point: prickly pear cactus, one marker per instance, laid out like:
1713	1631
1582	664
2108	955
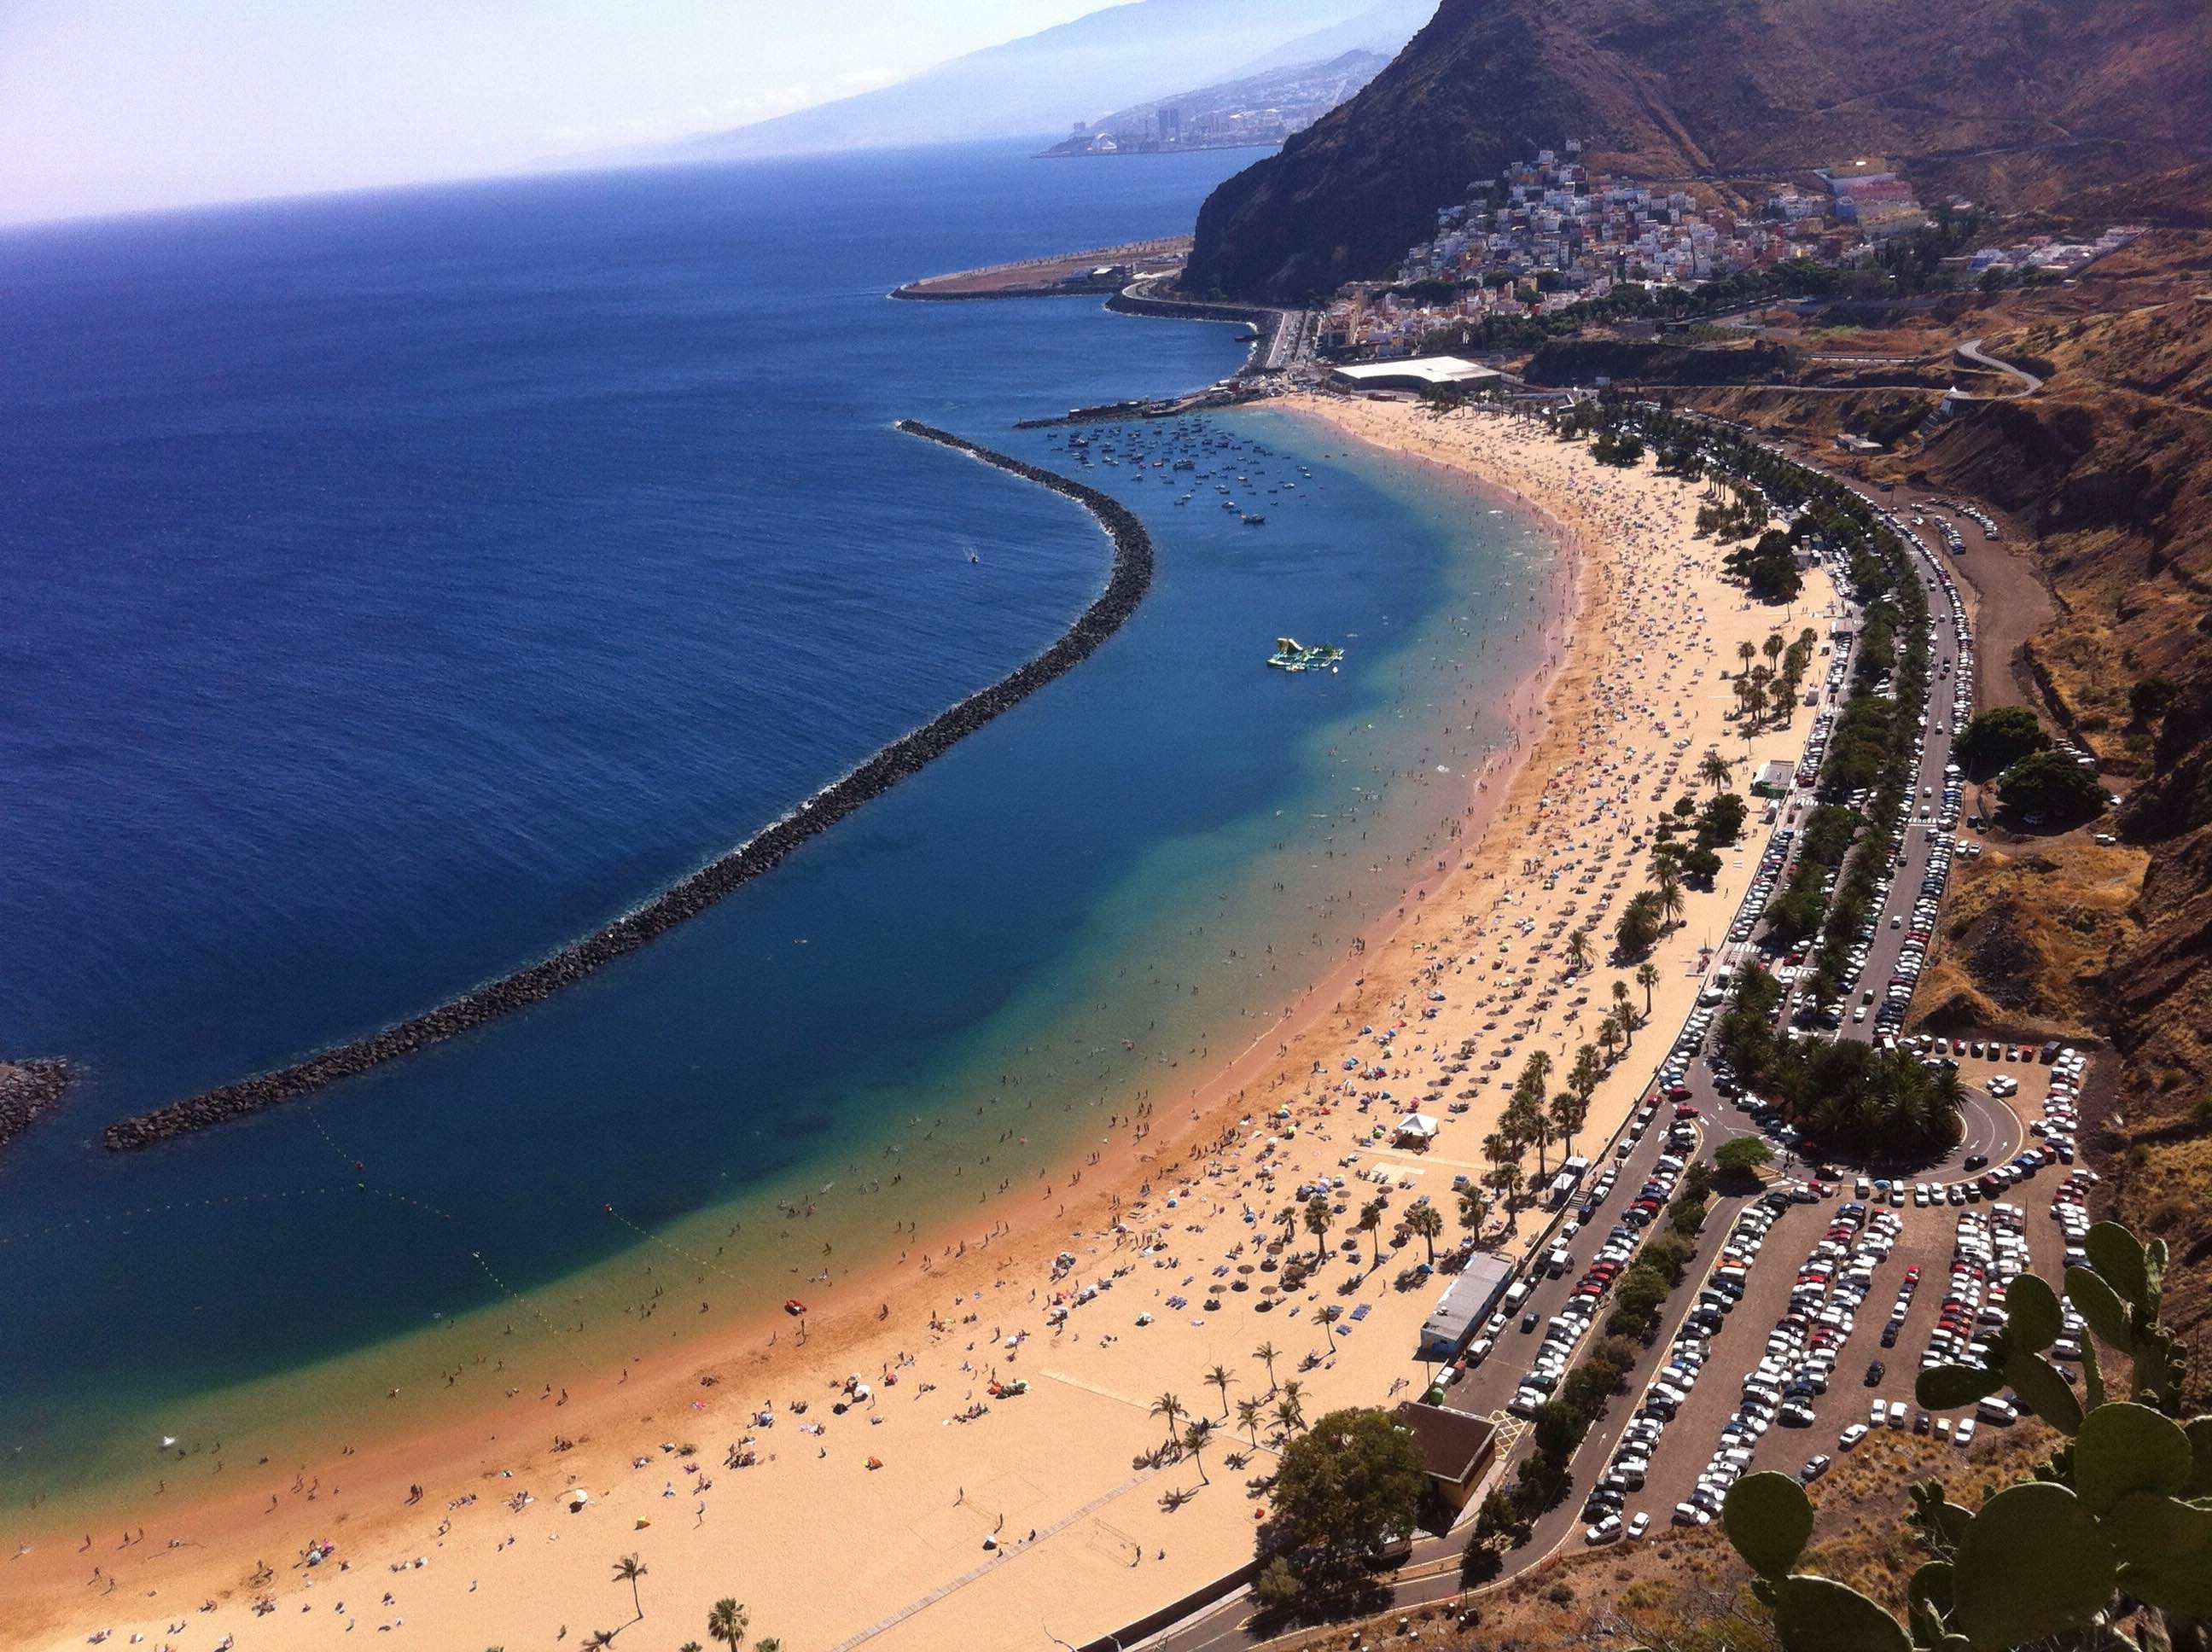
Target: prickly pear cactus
2119	1518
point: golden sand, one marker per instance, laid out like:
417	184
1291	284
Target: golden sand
1083	1533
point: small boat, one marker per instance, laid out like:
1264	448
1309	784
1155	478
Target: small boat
1292	655
1252	521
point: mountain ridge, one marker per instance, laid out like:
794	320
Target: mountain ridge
1690	88
1041	82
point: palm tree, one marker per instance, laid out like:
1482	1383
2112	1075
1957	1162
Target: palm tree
1473	1207
768	1644
1609	1034
690	1646
1221	1377
1249	1412
1427	1221
1746	653
1569	1109
1289	1414
1671	901
1319	1220
629	1570
1585	1075
1508	1179
1193	1441
1287	1219
1715	770
726	1623
1540	1137
1370	1223
1773	647
1578	952
1329	1316
1647	977
1168	1407
1267	1353
1535	1073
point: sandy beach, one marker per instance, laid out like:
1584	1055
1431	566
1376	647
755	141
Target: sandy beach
874	1480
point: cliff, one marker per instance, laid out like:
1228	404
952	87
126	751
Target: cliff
2012	100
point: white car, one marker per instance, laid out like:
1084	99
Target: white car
1963	1435
1641	1524
1606	1531
1851	1435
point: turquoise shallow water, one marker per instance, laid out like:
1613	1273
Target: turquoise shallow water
411	582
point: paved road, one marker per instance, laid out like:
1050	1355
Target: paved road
1431	1572
1971	351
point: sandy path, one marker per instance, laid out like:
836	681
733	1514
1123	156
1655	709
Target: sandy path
822	1547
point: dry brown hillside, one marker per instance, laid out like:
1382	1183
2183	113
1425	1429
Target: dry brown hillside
2008	102
2111	467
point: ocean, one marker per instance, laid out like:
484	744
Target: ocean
405	584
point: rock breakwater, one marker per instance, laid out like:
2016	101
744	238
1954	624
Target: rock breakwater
26	1090
1130	577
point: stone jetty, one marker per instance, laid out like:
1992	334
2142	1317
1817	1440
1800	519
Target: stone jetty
26	1090
1131	576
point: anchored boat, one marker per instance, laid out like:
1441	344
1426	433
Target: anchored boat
1292	655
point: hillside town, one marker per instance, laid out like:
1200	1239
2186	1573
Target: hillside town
1551	232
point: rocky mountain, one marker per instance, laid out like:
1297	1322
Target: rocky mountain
2014	99
1046	81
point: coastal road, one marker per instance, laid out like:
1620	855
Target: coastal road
1432	1571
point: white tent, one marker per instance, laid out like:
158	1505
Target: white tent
1415	1129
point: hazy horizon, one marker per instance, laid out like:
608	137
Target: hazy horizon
107	106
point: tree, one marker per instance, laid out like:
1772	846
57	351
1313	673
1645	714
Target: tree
1291	1409
1345	1490
1637	931
629	1570
2152	698
1998	739
2052	784
726	1623
1715	770
1473	1207
1620	1009
1221	1377
1647	977
1370	1223
1579	950
1167	1405
1319	1220
1278	1587
1745	1156
1569	1109
1428	1221
1668	888
1249	1412
1267	1353
1194	1439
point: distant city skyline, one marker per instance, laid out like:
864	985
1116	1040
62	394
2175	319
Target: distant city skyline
117	105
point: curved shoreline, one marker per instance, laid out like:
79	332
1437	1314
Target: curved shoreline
1130	577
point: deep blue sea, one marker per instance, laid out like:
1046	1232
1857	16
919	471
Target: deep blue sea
402	585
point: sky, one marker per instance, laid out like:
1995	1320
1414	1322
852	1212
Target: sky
110	106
